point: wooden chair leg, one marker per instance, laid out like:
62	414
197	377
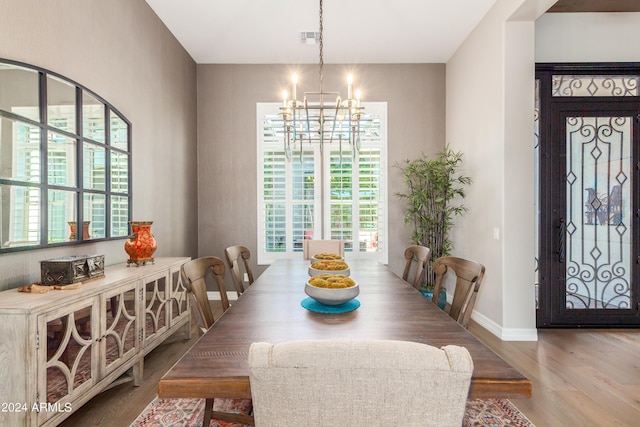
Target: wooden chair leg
210	414
208	410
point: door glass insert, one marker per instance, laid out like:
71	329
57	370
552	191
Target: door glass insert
568	85
598	225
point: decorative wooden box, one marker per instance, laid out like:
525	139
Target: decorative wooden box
71	269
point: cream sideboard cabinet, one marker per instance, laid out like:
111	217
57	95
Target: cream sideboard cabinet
61	348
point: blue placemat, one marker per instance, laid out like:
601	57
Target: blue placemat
313	305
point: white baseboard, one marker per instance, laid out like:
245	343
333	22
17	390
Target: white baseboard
215	296
505	334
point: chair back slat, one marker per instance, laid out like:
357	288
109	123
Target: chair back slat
193	274
418	256
233	255
468	275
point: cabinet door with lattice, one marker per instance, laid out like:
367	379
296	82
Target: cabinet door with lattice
155	298
179	297
121	338
67	352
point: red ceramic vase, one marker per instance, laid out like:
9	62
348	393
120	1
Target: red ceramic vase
141	244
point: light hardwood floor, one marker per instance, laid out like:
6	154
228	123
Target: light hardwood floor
581	377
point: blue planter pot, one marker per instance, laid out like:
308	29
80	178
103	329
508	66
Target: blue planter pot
442	299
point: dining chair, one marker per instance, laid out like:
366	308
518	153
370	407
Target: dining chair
468	278
194	274
312	247
330	382
418	255
233	254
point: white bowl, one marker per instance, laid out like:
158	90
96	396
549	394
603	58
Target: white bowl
314	259
332	296
317	271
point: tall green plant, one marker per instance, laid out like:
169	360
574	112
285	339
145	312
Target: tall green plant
435	187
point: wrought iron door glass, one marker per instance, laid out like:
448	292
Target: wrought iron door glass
598	226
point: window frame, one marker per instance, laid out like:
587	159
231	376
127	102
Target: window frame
322	189
109	142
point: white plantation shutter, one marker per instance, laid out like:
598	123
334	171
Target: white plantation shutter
321	194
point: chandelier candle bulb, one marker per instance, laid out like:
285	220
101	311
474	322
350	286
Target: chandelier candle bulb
284	98
294	80
349	85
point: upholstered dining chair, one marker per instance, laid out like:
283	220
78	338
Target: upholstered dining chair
234	254
312	247
418	255
468	278
194	278
359	382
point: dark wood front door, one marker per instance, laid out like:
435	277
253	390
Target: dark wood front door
589	198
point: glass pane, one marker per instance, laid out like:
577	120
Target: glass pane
119	172
94	167
370	212
19	91
95	211
19	216
341	204
598	251
564	85
61	160
119	216
92	117
302	223
178	295
275	217
119	132
61	104
156	310
69	341
62	210
120	320
19	151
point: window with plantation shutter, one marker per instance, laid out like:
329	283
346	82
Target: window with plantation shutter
326	192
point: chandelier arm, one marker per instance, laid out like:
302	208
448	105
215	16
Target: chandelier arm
306	110
335	121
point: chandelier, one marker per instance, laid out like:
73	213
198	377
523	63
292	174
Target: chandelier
318	118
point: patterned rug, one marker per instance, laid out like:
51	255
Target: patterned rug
188	413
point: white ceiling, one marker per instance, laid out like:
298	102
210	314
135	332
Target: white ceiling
355	31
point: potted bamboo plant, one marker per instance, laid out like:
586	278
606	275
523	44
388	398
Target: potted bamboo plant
435	189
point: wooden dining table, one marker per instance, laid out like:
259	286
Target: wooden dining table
270	310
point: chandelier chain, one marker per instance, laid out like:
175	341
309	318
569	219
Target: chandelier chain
321	54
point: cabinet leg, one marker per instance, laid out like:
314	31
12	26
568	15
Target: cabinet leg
187	331
138	372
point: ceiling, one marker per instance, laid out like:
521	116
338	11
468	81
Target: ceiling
355	31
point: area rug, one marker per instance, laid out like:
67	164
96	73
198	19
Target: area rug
188	413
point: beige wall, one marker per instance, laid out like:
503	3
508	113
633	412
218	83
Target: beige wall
227	96
588	37
490	117
123	52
